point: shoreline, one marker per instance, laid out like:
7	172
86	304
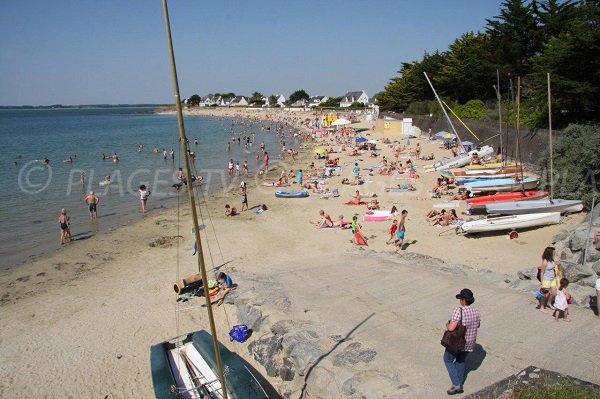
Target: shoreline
92	311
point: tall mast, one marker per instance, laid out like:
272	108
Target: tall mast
517	121
444	110
499	97
550	136
188	174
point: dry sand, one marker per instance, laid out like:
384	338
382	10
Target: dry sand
80	322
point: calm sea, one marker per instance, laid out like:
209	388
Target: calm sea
32	193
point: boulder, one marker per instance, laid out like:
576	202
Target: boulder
560	236
575	272
321	384
592	254
578	239
302	347
528	274
352	355
249	315
596	266
587	282
267	351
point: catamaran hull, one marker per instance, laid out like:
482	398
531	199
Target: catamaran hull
481	202
535	206
510	223
502	186
186	368
461	160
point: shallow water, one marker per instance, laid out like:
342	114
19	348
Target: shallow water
33	193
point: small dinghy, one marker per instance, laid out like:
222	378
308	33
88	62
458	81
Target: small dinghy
481	202
535	206
293	194
509	223
489	185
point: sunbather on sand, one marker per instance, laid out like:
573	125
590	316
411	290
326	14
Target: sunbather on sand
230	210
465	194
341	223
356	198
311	185
374	204
437	218
325	220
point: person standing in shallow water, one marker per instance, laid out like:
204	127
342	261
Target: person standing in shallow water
470	317
144	194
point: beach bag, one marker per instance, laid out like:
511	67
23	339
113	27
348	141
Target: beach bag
454	341
239	333
539	295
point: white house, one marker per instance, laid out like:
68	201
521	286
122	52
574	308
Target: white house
354	97
281	100
239	101
316	100
208	101
300	103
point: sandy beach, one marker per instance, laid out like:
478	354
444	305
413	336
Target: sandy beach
80	322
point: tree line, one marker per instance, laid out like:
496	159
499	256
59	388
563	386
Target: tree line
528	39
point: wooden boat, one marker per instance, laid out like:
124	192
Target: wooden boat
491	165
481	202
459	161
292	194
502	185
535	206
185	368
510	222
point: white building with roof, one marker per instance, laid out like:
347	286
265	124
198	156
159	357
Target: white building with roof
354	97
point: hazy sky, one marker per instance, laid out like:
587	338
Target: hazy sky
114	51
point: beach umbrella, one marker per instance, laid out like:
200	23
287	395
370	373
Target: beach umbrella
360	140
341	122
446	135
320	150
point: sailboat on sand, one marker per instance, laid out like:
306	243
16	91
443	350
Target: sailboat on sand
550	204
197	365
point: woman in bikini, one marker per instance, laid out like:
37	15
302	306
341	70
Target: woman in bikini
65	226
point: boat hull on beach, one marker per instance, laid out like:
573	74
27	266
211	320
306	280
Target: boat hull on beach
461	160
185	368
502	185
535	206
510	222
481	202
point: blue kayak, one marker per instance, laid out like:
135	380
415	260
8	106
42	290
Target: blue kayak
295	194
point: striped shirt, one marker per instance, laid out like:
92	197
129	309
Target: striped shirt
470	319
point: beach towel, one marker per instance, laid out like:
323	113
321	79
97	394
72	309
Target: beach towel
360	240
354	203
401	188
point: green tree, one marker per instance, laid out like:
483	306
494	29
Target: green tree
576	163
572	60
411	85
553	17
473	110
298	95
273	101
331	102
467	71
194	100
256	99
514	38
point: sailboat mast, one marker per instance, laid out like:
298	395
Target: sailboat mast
518	122
550	137
443	110
188	174
499	97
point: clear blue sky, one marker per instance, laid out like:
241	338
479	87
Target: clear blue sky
114	51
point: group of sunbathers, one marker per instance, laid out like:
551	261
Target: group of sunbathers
325	221
442	218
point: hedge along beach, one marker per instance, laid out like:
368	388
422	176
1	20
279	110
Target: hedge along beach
34	192
94	336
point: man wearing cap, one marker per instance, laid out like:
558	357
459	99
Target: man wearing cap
470	318
92	202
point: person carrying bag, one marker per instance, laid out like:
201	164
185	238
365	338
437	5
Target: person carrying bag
459	339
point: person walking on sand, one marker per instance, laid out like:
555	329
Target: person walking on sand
356	171
144	194
401	230
65	226
469	317
244	199
92	201
548	277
